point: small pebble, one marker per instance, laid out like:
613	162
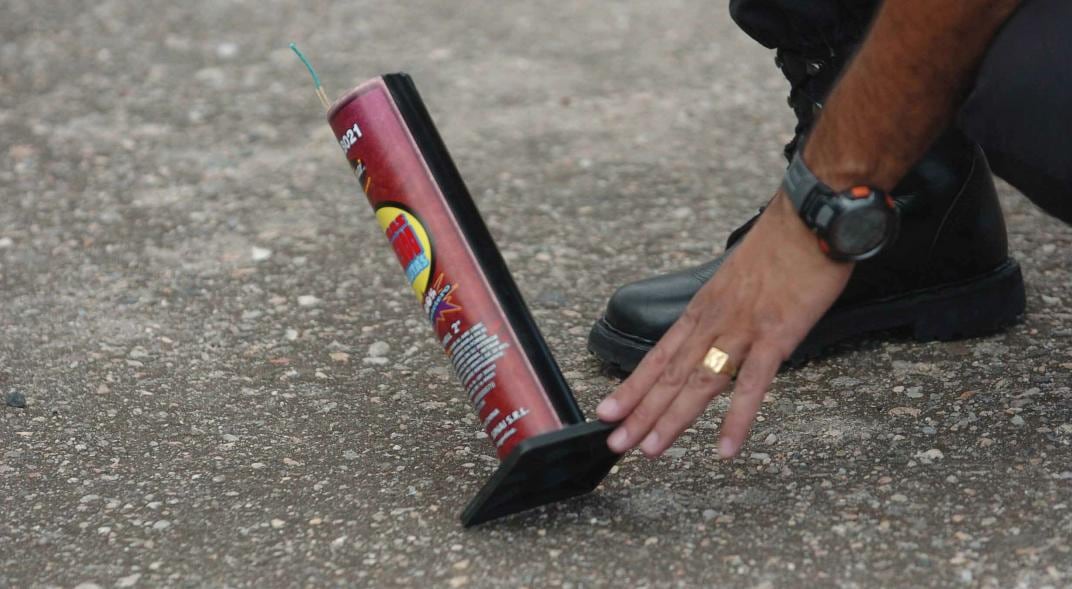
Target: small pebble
16	399
128	581
226	50
930	455
308	301
675	452
379	349
259	254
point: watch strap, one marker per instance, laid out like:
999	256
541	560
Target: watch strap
799	182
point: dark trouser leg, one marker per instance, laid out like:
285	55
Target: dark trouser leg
1020	109
811	28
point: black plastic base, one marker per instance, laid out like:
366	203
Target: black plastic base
545	469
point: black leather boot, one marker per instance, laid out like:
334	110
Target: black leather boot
947	276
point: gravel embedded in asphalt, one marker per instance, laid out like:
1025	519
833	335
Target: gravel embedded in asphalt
232	386
15	399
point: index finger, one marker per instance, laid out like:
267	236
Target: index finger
627	396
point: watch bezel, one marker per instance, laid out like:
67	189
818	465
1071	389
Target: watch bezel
831	207
819	206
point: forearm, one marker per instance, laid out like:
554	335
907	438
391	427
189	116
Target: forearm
902	89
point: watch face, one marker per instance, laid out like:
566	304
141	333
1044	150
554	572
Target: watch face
858	231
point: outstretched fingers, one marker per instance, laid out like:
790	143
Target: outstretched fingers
662	380
702	386
628	395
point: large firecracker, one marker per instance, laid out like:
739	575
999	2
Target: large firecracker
465	292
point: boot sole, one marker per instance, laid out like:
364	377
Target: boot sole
970	308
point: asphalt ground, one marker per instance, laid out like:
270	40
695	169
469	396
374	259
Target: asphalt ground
227	383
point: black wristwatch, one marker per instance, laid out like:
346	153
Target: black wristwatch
852	225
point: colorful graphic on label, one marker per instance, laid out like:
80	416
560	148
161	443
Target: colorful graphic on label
411	244
471	323
409	250
437	301
361	171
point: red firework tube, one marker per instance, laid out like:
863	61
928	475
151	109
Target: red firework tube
464	289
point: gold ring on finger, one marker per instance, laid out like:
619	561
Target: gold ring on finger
719	362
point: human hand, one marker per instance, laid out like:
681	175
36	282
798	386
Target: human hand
758	307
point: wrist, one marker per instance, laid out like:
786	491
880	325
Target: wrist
853	224
798	233
841	166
